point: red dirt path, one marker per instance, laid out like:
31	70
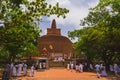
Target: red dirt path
62	74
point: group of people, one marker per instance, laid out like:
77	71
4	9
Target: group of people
17	70
40	65
22	69
99	68
115	68
59	59
78	67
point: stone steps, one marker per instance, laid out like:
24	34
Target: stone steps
57	64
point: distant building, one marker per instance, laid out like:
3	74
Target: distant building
53	44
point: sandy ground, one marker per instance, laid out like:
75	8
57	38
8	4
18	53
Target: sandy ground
62	74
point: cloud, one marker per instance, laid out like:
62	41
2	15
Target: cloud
78	9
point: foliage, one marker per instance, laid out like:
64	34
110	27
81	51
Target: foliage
18	28
99	39
3	54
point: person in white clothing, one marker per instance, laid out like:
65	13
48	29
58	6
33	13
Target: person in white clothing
32	71
77	68
111	68
91	67
25	69
14	72
72	66
81	67
68	66
40	65
103	71
97	66
19	69
116	69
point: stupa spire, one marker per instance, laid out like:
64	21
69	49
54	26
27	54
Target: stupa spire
53	30
53	26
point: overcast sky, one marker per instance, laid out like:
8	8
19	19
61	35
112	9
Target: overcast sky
78	9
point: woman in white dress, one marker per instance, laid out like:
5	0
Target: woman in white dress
111	67
32	71
103	71
25	69
77	67
14	72
81	67
116	69
19	69
91	67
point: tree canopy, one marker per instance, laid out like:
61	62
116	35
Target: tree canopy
18	28
99	39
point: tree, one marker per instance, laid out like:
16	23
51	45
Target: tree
88	42
102	33
19	31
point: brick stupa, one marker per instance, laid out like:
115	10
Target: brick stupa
54	44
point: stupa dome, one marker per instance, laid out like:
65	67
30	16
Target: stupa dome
54	42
